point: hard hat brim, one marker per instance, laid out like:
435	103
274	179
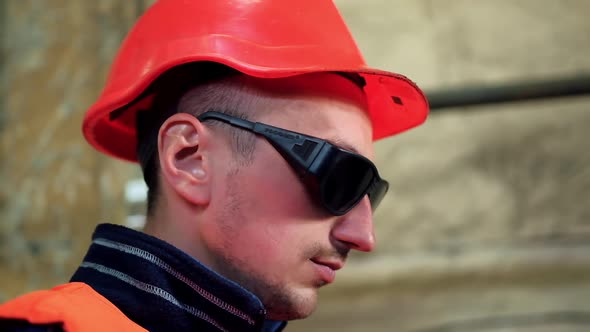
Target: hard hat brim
395	104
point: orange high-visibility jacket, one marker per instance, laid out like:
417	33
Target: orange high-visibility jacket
75	305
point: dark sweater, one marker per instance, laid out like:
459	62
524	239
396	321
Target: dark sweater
161	288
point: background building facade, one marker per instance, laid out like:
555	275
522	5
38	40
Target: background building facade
486	228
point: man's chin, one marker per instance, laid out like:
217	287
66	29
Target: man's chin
291	315
295	306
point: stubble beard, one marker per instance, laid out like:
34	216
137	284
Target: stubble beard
280	301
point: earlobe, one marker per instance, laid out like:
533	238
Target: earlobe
184	163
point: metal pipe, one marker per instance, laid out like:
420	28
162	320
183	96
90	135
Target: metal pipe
509	92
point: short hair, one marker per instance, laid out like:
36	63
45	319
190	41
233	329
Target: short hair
194	89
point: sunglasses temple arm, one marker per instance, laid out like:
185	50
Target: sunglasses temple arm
237	122
295	147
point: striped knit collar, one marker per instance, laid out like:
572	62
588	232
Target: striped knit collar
163	289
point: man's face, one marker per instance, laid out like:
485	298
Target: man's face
268	234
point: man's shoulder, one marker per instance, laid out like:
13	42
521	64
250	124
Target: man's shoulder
14	325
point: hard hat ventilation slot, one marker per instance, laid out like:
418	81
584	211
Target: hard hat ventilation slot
397	100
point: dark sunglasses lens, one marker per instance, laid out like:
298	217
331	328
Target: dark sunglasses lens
377	193
346	183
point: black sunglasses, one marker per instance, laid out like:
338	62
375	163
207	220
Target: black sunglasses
338	178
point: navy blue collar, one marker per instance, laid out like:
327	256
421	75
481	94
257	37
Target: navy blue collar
163	289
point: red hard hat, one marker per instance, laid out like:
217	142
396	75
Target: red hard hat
261	38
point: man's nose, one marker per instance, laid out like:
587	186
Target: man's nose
355	229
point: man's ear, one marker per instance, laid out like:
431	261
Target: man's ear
184	158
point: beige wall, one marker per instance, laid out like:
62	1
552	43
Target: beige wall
55	188
487	225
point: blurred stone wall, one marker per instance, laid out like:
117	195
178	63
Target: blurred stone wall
55	188
487	224
487	227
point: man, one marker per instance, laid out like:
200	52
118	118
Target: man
253	123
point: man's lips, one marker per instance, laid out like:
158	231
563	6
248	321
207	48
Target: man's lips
327	268
333	264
